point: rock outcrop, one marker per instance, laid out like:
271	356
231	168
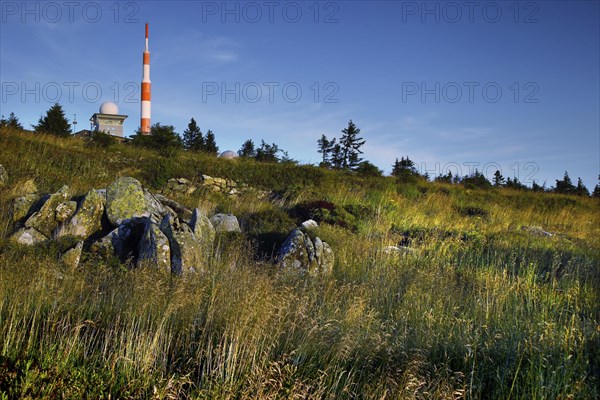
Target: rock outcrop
87	218
22	206
28	236
72	256
44	220
185	249
3	176
154	247
180	185
301	253
225	223
203	229
128	222
127	199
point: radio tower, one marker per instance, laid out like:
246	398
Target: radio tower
145	108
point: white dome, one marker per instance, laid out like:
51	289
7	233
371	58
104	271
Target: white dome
228	154
108	107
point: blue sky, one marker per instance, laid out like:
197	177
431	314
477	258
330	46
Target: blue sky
502	85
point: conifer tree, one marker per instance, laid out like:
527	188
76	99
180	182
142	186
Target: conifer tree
350	144
247	150
581	190
11	122
54	122
267	152
325	148
192	137
498	179
565	185
596	192
210	144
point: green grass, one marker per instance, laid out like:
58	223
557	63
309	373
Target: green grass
481	309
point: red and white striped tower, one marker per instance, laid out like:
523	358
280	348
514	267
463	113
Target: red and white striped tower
145	121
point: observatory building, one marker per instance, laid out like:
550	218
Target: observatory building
108	120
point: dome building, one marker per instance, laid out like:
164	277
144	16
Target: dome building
108	120
228	155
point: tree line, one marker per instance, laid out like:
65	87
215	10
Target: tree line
342	153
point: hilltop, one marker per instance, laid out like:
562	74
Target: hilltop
438	290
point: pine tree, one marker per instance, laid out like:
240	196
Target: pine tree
565	185
267	152
596	192
443	178
581	190
350	144
247	150
210	144
11	122
404	167
54	122
325	148
192	137
498	179
337	158
537	188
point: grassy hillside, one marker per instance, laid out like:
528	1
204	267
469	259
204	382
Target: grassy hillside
480	308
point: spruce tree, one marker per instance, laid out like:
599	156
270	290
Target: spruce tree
350	144
581	190
596	192
498	179
210	144
267	152
565	185
337	157
11	122
192	137
404	167
247	150
54	122
325	148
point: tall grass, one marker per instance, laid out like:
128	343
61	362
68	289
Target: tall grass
479	309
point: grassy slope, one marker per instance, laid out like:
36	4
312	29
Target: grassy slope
480	310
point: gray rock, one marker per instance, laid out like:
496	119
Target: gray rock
154	247
294	253
44	220
65	210
88	218
122	241
207	180
154	206
181	211
23	188
318	243
309	224
3	176
22	206
127	199
398	250
28	236
536	231
203	230
328	260
301	253
181	185
225	223
72	256
185	250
